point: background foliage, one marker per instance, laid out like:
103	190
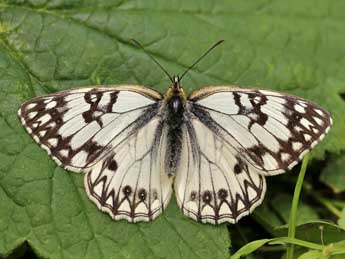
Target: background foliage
45	46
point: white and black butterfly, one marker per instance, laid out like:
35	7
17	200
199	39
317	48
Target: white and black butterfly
214	148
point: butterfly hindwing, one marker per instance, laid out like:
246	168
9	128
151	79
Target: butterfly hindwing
213	184
272	131
130	182
77	126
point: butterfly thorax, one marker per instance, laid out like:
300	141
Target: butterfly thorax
175	98
175	103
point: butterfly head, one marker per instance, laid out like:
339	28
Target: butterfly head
176	83
176	89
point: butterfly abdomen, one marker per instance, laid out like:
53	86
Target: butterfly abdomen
174	120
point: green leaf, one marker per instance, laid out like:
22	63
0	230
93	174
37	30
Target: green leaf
334	174
47	46
249	248
311	254
317	231
341	220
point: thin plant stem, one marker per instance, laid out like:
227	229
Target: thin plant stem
294	206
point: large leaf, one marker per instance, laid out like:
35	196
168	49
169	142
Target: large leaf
46	46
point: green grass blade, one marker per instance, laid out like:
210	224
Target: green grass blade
294	207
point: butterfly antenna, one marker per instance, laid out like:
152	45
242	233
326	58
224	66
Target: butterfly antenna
198	60
141	46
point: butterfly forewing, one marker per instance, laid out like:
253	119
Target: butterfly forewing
78	127
270	130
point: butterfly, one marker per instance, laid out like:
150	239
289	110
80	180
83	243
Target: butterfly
214	148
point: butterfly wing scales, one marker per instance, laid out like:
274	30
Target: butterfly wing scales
207	187
130	183
76	126
232	138
235	138
111	134
271	130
